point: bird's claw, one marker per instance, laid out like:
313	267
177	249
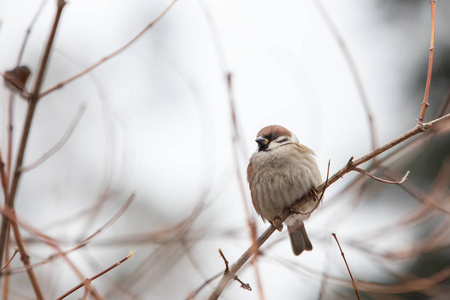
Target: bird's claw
276	222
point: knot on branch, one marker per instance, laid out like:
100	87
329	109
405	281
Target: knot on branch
350	164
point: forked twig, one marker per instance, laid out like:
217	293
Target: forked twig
362	171
244	285
425	103
348	268
89	280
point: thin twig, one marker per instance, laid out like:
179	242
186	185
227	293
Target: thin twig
89	280
3	176
107	224
60	143
27	34
362	171
425	104
348	268
16	250
348	168
33	100
108	57
244	285
225	261
353	69
197	291
250	220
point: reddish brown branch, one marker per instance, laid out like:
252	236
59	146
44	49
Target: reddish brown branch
362	171
425	104
34	97
4	177
250	220
348	268
89	280
348	168
353	69
16	250
108	57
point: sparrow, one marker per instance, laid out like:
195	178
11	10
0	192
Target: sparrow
280	172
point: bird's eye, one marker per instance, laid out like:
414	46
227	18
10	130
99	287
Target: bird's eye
282	140
273	137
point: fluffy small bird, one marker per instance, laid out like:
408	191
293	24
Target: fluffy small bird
280	172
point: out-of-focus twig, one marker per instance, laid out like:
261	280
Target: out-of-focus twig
27	34
16	250
362	171
60	143
425	103
89	280
250	220
33	100
355	287
353	69
108	57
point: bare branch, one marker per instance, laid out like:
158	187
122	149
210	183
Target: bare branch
348	168
224	260
362	171
27	34
425	104
108	57
16	250
61	142
89	280
192	295
353	69
34	97
4	177
348	268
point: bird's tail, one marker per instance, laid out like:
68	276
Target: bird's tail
299	238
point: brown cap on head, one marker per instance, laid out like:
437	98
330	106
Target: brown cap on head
274	129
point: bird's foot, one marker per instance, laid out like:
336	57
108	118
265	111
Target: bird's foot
276	222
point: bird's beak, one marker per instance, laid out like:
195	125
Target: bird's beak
262	141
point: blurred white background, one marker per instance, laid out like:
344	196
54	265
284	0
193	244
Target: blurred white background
157	122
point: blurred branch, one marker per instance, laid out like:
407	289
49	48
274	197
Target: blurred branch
33	100
348	268
352	66
362	171
89	280
60	143
250	220
4	178
27	34
108	57
351	165
16	250
412	285
192	295
425	104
